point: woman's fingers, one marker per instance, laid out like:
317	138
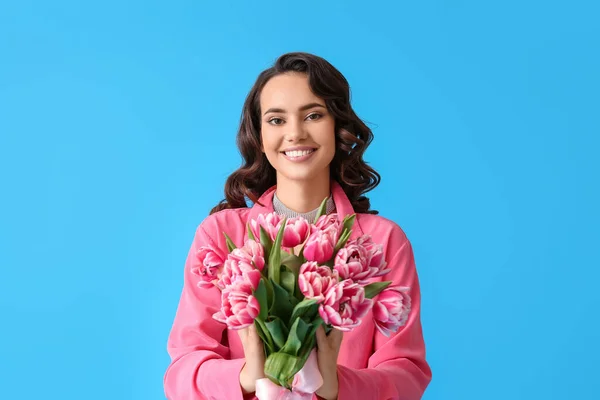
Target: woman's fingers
253	333
254	355
335	339
253	338
332	341
243	334
249	334
251	343
321	338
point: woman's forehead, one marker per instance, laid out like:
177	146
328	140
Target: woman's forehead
287	91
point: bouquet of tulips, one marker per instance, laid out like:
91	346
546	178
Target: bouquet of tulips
292	275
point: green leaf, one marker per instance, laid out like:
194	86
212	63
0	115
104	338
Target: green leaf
305	308
265	240
307	345
346	233
269	287
250	234
278	331
288	281
309	342
230	244
279	367
373	289
294	299
349	221
296	337
322	210
265	336
281	306
275	255
291	261
342	241
294	263
261	295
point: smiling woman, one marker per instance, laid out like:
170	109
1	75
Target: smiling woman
301	103
298	139
302	146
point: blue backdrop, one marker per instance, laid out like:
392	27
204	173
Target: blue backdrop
117	129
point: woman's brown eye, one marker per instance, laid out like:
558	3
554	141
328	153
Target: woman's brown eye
275	119
314	115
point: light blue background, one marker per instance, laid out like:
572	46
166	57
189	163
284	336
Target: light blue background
117	129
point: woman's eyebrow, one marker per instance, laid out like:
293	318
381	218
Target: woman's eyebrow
303	108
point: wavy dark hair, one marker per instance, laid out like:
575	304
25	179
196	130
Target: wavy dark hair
352	137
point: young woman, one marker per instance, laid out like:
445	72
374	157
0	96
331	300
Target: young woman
301	142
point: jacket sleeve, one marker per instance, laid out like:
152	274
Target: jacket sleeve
200	367
397	369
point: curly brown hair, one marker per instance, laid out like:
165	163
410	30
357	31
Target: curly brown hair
352	135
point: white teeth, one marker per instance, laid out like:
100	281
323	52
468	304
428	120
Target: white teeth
297	153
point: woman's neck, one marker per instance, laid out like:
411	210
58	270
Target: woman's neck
302	196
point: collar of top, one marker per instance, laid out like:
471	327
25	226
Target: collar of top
342	205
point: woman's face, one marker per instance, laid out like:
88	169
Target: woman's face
297	131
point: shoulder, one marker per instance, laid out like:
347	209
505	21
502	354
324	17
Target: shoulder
225	220
375	224
229	221
383	230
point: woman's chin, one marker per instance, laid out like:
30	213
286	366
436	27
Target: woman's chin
298	175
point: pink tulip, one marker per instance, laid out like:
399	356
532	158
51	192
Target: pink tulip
239	307
252	252
375	253
269	222
257	253
315	280
360	260
319	247
345	305
236	264
352	262
209	266
329	223
240	260
295	232
391	309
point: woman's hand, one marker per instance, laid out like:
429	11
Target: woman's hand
328	348
255	359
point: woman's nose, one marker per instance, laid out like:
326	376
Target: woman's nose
295	131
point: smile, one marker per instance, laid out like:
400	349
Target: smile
298	155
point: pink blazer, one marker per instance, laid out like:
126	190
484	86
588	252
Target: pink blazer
206	357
